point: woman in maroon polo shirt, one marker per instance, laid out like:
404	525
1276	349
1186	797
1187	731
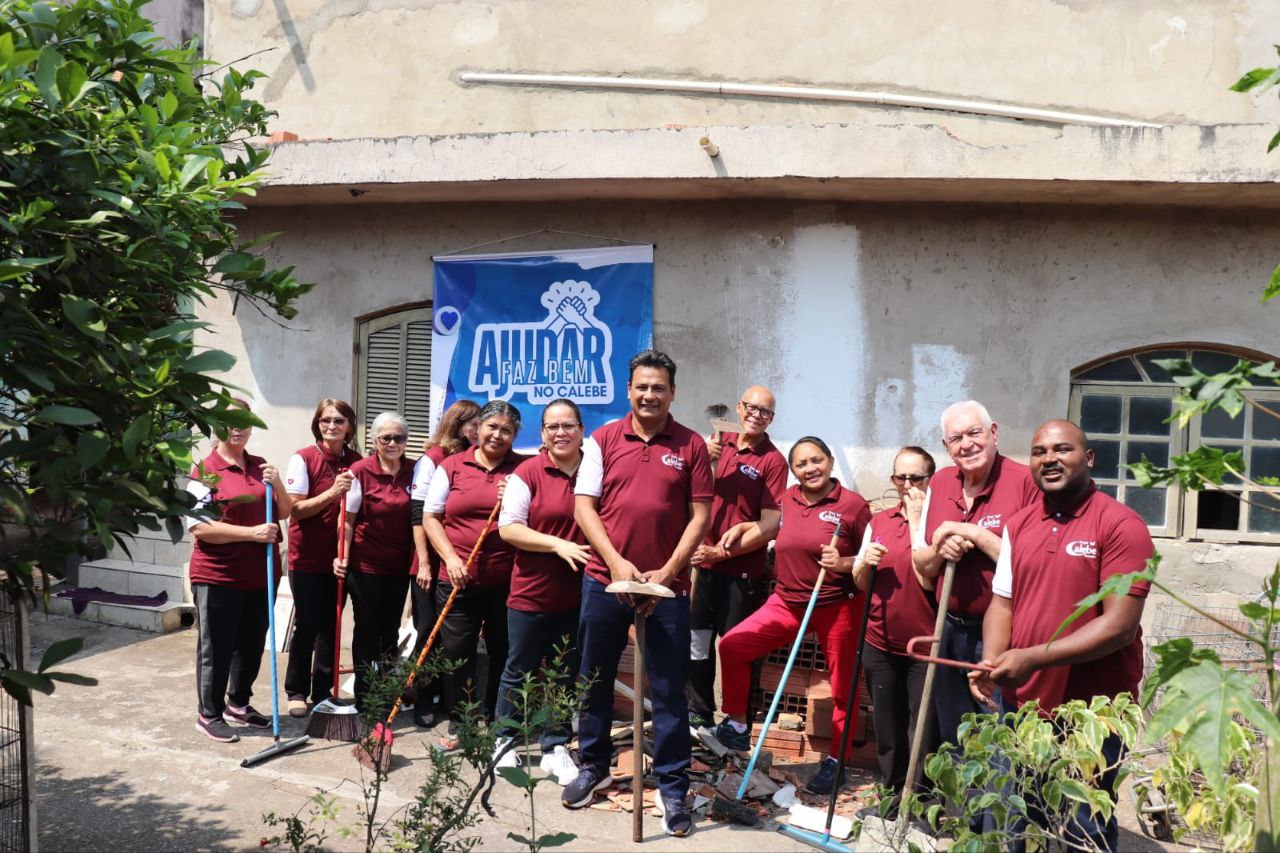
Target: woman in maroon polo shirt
461	496
902	607
229	579
456	432
546	586
812	512
379	546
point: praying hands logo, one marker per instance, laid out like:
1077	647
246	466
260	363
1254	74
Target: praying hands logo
570	303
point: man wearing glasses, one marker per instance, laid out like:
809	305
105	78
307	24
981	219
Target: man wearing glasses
751	477
965	511
643	500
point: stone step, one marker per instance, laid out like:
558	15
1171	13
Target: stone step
130	578
160	620
153	546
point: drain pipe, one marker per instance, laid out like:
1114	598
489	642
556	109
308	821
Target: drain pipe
802	93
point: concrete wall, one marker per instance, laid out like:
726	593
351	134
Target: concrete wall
866	320
354	68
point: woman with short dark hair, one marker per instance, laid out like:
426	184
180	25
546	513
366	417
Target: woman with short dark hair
461	497
317	479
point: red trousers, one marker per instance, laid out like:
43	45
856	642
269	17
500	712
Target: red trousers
775	625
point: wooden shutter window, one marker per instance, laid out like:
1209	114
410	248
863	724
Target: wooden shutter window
393	373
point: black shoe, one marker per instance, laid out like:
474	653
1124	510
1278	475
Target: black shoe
676	819
581	791
216	728
424	718
246	716
825	777
731	738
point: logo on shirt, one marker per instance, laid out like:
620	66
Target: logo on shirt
1081	548
289	481
990	522
830	516
673	461
564	354
413	486
749	471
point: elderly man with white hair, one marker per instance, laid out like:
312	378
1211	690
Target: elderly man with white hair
965	511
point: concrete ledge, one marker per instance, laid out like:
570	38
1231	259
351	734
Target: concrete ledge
1221	165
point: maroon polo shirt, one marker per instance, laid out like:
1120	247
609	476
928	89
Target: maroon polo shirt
383	541
1058	558
238	565
473	491
900	607
806	528
1008	489
544	583
313	541
435	455
747	481
646	491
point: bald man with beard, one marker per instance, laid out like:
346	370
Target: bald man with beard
1054	553
732	579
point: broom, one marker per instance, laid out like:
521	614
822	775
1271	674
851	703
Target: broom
374	752
334	719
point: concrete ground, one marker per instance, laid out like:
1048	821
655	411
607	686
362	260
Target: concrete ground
122	767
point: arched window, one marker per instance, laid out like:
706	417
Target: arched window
1125	403
393	371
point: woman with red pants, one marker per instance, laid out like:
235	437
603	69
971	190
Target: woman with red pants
902	607
456	432
317	479
380	546
461	497
813	511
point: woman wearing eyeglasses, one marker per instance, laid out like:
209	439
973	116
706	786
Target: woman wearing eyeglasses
316	479
546	587
380	546
462	493
902	607
456	432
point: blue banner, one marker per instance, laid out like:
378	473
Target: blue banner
532	327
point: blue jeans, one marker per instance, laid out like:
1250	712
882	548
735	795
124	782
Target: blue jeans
531	637
602	635
961	640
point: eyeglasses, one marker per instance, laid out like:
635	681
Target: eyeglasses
334	421
972	434
902	479
555	428
398	438
758	411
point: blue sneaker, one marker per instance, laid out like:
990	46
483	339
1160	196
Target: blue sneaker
825	777
676	819
582	790
731	738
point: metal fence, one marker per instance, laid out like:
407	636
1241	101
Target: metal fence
16	819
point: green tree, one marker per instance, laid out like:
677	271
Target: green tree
120	160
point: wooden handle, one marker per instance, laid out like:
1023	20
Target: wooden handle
448	605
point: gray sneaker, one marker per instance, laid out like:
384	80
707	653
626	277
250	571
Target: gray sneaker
676	819
581	791
216	728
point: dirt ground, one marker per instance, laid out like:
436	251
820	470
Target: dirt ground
122	767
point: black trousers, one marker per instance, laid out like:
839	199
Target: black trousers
425	612
310	668
231	630
475	609
376	602
896	683
719	603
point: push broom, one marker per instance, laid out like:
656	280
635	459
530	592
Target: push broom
334	719
374	752
277	748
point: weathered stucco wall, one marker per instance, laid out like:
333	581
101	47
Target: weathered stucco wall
353	68
866	320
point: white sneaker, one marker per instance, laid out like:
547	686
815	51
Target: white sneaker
560	765
510	758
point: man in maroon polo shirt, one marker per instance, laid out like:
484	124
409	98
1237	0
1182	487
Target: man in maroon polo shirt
643	500
731	584
1056	552
965	511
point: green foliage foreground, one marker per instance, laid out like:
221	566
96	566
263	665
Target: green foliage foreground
119	161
